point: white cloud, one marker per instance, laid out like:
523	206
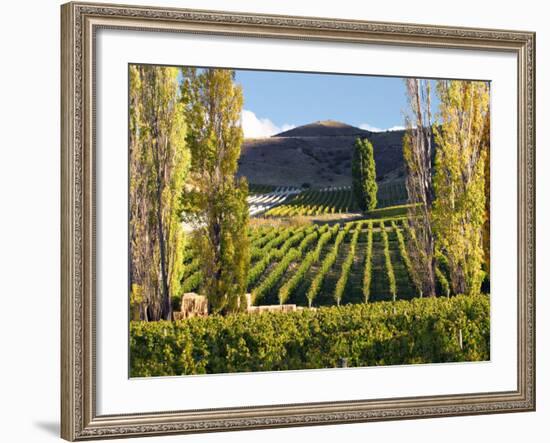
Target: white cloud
254	127
287	127
370	128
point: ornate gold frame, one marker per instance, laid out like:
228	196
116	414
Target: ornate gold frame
79	21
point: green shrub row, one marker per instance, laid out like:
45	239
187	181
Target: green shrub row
428	330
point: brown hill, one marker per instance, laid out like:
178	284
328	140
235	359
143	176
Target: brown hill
324	128
318	154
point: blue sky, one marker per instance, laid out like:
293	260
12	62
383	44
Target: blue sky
275	101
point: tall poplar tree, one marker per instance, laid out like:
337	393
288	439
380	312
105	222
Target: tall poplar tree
363	172
215	198
159	161
487	225
418	152
460	179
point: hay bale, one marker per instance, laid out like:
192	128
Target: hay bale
178	315
192	305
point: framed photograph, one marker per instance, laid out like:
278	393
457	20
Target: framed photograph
284	221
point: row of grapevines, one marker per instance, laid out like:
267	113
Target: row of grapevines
389	266
264	236
326	265
311	236
290	256
405	257
324	206
274	276
346	266
311	257
282	236
328	204
412	238
316	202
258	246
276	254
367	275
287	209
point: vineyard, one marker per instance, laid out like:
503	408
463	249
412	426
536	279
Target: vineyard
320	246
369	334
349	280
324	264
323	201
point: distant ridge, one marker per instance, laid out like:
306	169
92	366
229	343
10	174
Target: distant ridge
318	154
324	128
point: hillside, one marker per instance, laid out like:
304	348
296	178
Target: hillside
325	128
318	154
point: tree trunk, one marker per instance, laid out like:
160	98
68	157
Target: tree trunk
166	306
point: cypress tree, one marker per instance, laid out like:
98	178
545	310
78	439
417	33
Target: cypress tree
363	171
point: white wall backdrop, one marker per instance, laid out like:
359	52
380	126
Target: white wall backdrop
29	219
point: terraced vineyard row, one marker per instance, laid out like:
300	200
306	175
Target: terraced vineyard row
336	200
322	264
317	202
